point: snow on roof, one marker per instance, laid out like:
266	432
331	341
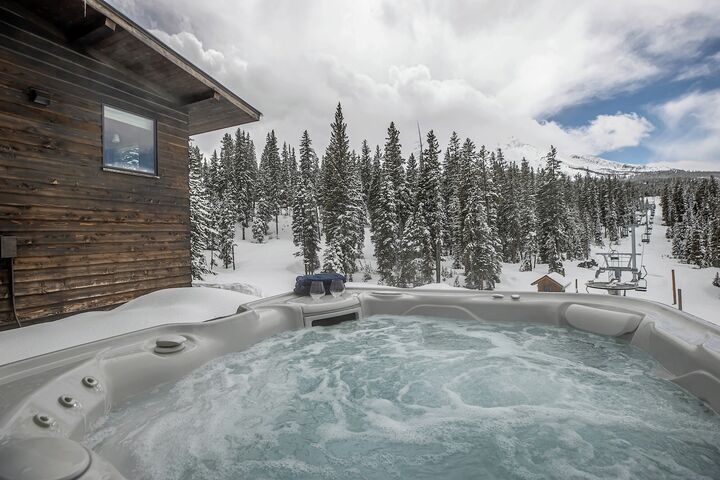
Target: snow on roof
172	305
557	278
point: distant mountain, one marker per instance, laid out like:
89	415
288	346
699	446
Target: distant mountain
573	164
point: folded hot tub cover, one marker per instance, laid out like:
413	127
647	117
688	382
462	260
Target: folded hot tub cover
303	282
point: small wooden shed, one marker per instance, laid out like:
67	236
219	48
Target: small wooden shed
552	282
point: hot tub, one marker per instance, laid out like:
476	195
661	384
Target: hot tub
378	384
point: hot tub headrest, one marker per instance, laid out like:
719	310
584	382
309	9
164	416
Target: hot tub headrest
601	320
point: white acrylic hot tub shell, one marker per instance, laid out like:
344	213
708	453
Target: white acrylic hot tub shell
687	347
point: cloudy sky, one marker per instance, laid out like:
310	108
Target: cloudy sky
634	81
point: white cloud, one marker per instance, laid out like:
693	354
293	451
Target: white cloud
489	69
692	130
710	66
611	132
209	60
691	165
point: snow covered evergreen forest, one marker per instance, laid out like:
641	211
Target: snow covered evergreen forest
691	210
464	204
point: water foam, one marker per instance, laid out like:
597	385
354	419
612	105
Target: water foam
412	397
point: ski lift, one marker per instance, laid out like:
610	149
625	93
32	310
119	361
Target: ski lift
617	263
641	282
646	237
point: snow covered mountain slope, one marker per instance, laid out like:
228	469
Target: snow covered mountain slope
572	164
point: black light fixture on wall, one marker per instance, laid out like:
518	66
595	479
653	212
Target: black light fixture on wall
39	97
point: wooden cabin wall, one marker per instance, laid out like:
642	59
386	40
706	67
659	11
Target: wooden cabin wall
87	238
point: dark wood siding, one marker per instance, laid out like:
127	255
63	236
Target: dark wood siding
87	238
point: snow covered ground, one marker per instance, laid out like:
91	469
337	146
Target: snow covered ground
172	305
270	268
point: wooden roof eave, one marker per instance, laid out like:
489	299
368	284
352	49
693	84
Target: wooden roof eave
223	102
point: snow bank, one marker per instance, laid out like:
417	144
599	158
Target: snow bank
429	286
439	286
173	305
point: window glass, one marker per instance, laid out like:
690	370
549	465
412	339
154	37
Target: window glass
128	141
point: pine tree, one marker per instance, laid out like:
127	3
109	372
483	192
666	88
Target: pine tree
489	193
465	182
225	196
242	177
499	171
714	243
394	170
307	167
677	205
612	225
480	253
356	211
333	256
212	175
226	230
429	205
335	170
293	176
213	189
271	178
409	254
342	200
385	232
528	219
284	179
694	253
225	181
305	221
449	193
551	211
509	216
200	226
366	171
263	215
411	181
678	239
454	227
373	204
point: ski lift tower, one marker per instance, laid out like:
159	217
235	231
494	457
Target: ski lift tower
616	263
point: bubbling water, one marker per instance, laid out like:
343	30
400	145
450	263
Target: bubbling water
414	397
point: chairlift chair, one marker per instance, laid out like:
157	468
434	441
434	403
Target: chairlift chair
641	283
646	237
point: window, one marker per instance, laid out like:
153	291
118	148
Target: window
128	142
